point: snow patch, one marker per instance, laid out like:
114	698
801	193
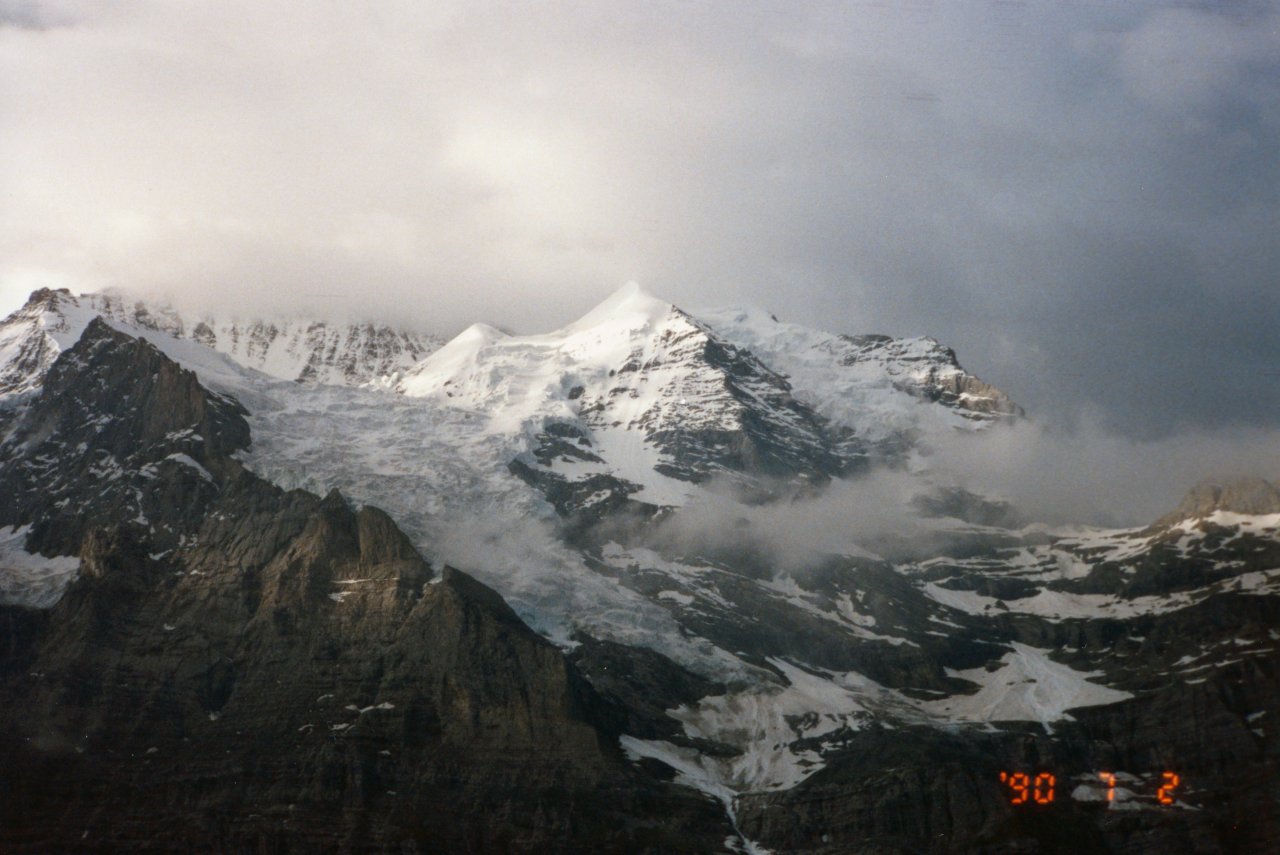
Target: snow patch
1062	605
767	722
190	463
31	580
1029	686
690	772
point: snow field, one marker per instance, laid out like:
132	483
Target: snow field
31	580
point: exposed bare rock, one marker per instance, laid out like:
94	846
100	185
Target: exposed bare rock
286	674
929	370
119	435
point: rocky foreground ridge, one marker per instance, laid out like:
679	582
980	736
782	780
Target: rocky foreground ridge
241	668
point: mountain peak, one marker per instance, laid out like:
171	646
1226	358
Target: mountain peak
630	307
306	349
32	337
455	359
47	298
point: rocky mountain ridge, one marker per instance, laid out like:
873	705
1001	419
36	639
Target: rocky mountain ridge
295	673
289	348
868	381
623	483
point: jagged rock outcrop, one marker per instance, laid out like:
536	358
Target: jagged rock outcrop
119	435
756	427
265	670
929	370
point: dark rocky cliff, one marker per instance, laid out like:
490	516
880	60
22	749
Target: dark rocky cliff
1206	682
239	668
923	790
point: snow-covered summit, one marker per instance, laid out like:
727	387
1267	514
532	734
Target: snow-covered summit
309	350
306	350
649	396
879	386
640	392
517	378
629	308
32	337
52	321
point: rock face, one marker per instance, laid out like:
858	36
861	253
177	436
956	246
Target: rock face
241	668
751	424
119	421
929	370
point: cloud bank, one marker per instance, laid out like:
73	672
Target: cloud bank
1090	475
1025	474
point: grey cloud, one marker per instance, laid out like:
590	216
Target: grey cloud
1082	475
24	15
876	514
1088	474
41	15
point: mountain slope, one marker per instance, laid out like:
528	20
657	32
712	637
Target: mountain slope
731	524
32	337
293	671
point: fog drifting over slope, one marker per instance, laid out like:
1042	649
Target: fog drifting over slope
1090	475
1085	476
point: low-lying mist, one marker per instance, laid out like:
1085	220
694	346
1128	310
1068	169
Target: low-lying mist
1088	475
1008	475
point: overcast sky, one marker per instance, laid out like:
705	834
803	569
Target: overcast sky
1080	197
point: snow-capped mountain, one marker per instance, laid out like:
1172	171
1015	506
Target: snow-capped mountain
306	350
259	650
637	400
857	380
683	502
32	338
312	351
